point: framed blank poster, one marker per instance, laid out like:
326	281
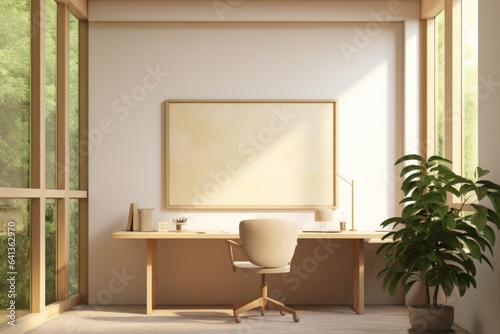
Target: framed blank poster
246	154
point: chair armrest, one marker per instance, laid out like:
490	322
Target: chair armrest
230	245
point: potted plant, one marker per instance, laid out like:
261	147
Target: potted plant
440	236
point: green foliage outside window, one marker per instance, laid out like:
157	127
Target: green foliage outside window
15	77
73	103
50	251
73	247
50	94
469	88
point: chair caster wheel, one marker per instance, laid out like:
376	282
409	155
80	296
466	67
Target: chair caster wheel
282	312
237	319
296	318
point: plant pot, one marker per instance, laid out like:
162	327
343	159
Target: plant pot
431	319
178	226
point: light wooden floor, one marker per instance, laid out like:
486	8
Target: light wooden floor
313	320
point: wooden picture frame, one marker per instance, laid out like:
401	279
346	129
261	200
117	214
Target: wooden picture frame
251	154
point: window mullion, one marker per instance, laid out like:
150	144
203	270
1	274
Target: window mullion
38	155
453	83
62	150
430	135
83	151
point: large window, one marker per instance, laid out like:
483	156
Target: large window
452	82
43	177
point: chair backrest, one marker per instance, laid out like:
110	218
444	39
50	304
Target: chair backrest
269	242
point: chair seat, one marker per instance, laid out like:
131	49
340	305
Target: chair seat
248	267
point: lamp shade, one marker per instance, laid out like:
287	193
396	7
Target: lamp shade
323	215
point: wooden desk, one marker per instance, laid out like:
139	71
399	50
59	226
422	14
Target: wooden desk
358	238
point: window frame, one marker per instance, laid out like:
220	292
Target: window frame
38	193
454	142
454	113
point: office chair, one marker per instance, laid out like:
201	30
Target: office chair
269	245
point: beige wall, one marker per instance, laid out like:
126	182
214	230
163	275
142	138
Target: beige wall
365	58
478	311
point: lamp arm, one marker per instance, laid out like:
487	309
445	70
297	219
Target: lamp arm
352	199
349	183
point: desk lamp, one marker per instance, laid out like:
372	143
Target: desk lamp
323	216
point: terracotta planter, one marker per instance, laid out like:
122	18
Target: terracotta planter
431	319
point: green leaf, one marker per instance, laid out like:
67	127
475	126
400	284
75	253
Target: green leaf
447	287
480	218
494	218
393	284
489	234
412	168
409	157
488	184
410	183
408	286
393	220
483	257
479	172
473	248
466	188
495	201
481	192
436	158
442	211
432	256
470	266
406	200
450	222
443	171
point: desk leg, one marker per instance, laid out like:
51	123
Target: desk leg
359	275
151	277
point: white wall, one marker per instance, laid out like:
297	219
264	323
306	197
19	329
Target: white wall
478	310
139	58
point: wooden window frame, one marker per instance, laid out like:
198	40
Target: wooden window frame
453	132
37	192
453	107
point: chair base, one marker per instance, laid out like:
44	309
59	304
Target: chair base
261	302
